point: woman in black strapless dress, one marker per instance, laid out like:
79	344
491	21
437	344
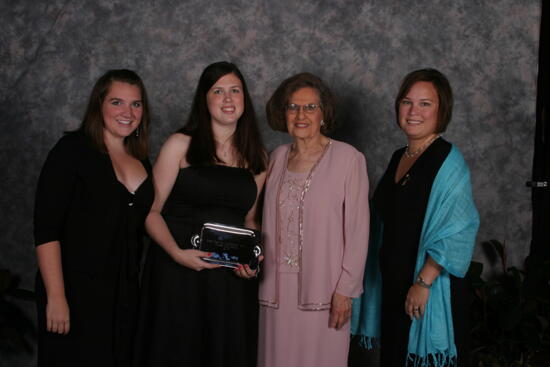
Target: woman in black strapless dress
194	313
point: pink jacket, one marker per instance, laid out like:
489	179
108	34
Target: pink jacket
335	228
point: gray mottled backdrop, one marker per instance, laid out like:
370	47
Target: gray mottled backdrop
52	52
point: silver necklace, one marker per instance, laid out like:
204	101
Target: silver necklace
223	148
408	153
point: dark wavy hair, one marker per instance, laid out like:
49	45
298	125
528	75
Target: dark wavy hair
92	125
444	93
247	140
276	106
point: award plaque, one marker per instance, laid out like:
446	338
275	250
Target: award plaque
230	246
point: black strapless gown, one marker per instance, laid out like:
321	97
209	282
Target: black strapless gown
206	318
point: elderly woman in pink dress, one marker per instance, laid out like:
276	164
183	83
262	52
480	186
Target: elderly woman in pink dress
315	224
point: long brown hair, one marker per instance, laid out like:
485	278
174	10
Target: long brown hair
251	153
93	123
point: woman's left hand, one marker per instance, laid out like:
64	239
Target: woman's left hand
416	300
245	272
340	311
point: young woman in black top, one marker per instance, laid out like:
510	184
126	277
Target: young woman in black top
93	195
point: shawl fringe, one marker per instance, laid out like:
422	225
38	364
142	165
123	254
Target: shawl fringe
368	342
448	236
431	360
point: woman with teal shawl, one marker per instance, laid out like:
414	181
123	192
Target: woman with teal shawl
415	302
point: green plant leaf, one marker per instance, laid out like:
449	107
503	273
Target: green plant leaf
474	274
501	250
490	252
510	320
475	269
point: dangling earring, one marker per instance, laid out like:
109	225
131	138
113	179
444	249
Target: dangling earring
322	122
137	132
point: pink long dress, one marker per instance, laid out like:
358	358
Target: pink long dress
296	337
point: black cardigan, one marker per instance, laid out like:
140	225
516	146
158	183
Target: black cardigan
79	203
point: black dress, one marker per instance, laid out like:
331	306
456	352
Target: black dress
402	207
205	318
99	224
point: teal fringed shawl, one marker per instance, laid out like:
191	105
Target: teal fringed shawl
448	236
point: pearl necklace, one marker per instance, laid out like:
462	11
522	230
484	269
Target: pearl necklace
408	154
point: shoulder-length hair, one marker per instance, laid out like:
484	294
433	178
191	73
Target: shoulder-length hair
276	106
93	124
247	140
442	87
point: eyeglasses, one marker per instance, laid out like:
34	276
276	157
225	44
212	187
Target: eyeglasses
307	108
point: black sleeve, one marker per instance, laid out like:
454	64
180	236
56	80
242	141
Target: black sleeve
56	186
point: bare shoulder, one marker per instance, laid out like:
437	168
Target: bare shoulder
175	148
178	141
260	178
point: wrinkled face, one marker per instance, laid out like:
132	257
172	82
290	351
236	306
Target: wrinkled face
122	109
418	111
225	100
304	114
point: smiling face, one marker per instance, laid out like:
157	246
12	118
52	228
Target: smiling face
301	124
225	100
418	111
122	110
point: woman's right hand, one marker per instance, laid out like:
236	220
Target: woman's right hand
48	256
57	315
192	259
